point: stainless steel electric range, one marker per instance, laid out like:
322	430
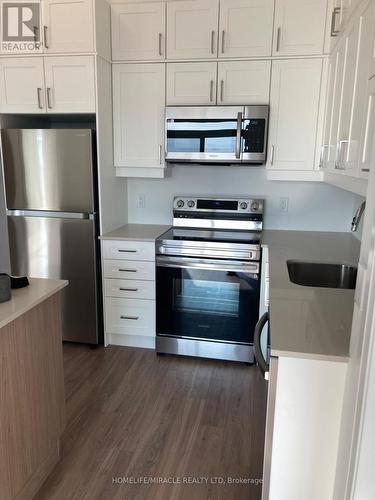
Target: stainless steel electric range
208	278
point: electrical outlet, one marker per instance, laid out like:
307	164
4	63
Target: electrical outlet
141	201
284	204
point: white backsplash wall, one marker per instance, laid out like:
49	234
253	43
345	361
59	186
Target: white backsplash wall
312	206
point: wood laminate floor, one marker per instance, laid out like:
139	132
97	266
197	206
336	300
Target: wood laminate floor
132	414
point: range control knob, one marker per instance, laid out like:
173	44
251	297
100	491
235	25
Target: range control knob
254	206
180	203
191	203
243	205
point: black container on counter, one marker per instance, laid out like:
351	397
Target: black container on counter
5	292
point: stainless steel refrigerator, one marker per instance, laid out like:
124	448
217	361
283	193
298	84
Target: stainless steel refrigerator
52	215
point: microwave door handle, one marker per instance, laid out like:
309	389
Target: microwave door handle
261	362
238	136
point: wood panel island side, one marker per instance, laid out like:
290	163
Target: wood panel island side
32	402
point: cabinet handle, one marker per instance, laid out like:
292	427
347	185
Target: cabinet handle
160	154
128	289
211	91
334	31
128	270
339	154
365	170
160	44
123	250
45	31
272	153
238	135
222	90
39	93
322	148
223	41
135	318
213	42
278	39
49	100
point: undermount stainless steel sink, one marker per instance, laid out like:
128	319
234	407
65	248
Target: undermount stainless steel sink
322	274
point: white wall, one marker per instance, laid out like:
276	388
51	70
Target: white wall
312	206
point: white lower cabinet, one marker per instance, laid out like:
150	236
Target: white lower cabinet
129	293
294	108
304	408
191	83
138	118
245	82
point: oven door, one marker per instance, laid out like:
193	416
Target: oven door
204	134
205	299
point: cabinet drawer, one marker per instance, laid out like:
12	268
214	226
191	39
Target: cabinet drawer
130	316
129	269
129	289
133	250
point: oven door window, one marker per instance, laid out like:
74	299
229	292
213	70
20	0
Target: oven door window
205	304
201	136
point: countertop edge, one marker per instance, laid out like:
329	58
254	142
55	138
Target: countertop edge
310	356
60	284
124	233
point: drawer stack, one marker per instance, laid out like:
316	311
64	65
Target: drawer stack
129	293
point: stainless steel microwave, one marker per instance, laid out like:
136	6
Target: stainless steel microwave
216	134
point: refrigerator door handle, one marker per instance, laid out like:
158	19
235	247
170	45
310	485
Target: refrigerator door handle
55	215
262	363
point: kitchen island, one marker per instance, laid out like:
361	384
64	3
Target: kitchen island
32	405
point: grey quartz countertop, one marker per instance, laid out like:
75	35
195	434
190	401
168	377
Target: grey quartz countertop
29	297
136	232
305	321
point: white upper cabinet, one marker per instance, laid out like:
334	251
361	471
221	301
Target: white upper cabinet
245	82
326	150
191	83
368	135
70	84
245	28
348	89
22	85
333	146
192	29
68	25
138	31
294	105
299	27
138	115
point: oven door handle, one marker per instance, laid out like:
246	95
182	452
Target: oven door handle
261	362
209	265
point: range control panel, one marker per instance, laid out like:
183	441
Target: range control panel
222	205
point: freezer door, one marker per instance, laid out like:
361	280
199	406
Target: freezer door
44	247
48	169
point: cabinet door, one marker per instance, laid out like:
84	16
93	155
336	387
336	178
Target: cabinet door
68	25
326	135
340	56
138	31
348	88
22	85
246	28
246	82
70	84
191	83
138	114
192	29
294	106
358	109
299	27
368	134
